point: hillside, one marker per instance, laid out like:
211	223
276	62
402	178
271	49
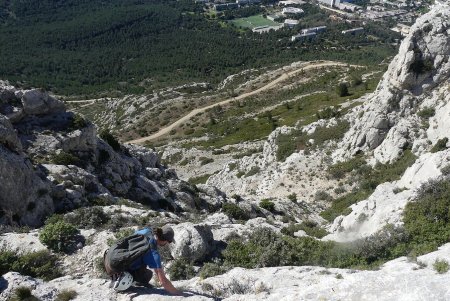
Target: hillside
104	49
340	197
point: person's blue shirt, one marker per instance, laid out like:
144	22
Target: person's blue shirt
152	259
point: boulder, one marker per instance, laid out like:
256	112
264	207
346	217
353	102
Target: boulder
192	242
36	102
8	135
24	196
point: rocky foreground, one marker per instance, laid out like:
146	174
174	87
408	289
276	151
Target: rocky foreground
400	279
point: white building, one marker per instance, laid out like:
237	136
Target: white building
348	6
290	23
314	29
303	36
266	28
291	2
292	11
353	30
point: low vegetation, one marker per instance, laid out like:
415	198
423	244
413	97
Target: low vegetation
39	264
58	235
23	293
267	204
297	140
311	228
367	178
440	145
441	266
66	295
181	269
234	211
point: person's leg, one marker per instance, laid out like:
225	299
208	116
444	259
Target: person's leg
142	275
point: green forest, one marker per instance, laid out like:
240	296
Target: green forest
134	46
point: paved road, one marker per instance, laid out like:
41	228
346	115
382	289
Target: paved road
285	76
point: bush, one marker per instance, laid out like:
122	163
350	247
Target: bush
440	145
66	295
64	158
421	66
292	197
88	218
342	90
253	171
441	266
311	228
78	122
426	113
267	204
39	264
211	269
110	139
234	211
59	236
181	269
322	196
328	113
23	293
205	160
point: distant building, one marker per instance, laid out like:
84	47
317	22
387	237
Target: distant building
266	28
314	29
348	6
225	6
292	11
272	17
291	2
290	23
303	36
247	2
353	31
330	3
402	29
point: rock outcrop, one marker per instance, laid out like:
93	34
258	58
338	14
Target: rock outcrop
53	160
417	79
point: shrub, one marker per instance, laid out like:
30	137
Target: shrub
39	264
339	170
58	236
322	196
110	139
253	171
64	158
342	90
311	228
440	145
426	113
421	66
23	293
88	218
205	160
7	259
66	295
267	204
328	113
441	266
211	269
78	122
293	197
234	211
181	269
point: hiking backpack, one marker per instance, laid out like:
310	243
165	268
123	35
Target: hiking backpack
119	257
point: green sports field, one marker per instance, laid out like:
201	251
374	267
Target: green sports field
254	21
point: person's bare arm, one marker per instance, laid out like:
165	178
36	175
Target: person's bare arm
168	286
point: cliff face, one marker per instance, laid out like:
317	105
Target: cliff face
417	79
52	160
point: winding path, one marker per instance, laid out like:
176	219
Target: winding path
283	77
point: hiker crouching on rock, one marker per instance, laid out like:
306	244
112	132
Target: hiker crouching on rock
137	265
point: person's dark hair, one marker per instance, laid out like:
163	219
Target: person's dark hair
159	233
165	233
